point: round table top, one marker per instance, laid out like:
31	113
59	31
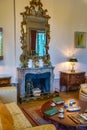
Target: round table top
66	120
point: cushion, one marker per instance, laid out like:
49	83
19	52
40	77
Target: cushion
19	119
83	97
43	127
6	120
84	90
84	85
83	94
8	94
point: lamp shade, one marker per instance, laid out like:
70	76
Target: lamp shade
73	60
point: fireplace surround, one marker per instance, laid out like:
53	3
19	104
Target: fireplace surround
36	77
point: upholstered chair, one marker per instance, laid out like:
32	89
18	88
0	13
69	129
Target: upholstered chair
83	92
8	94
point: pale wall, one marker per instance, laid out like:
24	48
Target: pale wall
67	16
7	65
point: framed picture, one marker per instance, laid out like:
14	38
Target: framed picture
1	43
80	39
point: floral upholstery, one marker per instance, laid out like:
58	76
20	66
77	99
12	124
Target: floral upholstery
16	119
8	94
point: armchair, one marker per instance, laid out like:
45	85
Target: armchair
8	94
83	92
43	127
16	119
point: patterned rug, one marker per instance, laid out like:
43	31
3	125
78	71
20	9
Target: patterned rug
35	115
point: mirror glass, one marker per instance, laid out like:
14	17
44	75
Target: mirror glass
38	42
35	32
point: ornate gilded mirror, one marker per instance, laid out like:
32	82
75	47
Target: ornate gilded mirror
35	34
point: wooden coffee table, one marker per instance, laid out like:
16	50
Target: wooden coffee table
66	120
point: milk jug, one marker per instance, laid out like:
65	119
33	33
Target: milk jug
30	63
41	63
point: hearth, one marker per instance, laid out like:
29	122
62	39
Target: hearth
30	78
39	81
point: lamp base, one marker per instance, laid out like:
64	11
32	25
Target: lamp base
72	70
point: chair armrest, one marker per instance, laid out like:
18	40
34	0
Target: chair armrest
43	127
84	85
8	94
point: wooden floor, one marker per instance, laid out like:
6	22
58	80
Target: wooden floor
35	103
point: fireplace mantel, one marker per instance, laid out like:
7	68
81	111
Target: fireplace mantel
22	73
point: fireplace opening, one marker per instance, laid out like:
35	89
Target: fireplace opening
39	82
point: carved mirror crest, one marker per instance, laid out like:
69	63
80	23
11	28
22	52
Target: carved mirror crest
35	33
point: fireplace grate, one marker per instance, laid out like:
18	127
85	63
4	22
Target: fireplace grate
42	96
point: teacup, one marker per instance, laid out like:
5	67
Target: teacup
61	110
61	115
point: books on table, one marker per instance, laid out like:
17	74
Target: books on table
58	100
51	112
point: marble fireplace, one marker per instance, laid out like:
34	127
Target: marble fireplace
29	78
35	39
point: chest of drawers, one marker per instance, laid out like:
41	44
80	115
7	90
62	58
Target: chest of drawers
5	80
71	79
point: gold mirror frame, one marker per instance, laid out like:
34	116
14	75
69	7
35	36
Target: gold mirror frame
34	14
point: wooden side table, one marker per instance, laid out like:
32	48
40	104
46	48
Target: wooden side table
70	79
5	80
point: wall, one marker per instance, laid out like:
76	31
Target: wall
67	16
7	65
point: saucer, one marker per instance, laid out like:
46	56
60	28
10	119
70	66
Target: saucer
53	104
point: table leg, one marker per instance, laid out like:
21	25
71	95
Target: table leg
67	88
76	128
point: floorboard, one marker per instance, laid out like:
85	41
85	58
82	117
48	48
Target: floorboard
35	103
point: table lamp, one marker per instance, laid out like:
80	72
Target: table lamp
72	61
